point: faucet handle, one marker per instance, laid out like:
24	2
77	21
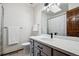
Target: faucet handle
55	33
51	35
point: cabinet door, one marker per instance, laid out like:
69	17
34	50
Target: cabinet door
31	51
47	50
31	47
37	52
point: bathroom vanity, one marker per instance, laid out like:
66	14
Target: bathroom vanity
53	47
39	49
65	24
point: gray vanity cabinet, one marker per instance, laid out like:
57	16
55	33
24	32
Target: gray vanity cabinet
39	49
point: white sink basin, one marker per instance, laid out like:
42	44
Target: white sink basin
45	36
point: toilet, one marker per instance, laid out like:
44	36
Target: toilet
26	47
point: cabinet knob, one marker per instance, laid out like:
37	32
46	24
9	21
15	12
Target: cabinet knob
40	47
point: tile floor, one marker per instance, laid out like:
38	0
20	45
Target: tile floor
19	53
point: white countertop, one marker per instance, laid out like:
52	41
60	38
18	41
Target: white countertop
67	46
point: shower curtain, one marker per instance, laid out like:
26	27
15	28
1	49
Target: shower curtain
1	28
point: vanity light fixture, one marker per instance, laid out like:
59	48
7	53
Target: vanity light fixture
53	7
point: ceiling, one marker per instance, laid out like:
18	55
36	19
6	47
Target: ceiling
34	4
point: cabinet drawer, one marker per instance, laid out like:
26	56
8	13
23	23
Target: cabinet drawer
43	48
58	53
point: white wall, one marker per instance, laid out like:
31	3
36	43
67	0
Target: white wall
40	18
73	5
44	23
0	25
37	17
20	15
0	13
